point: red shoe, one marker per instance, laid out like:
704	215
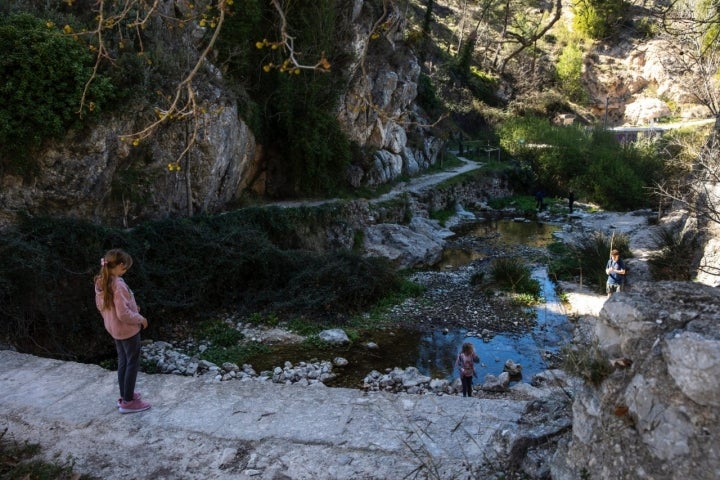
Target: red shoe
136	396
133	407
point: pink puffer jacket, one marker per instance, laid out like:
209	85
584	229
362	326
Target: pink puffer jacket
124	319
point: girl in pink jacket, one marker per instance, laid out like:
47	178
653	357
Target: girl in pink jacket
123	321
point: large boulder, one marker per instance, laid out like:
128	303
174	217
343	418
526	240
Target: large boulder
645	111
656	415
378	111
417	244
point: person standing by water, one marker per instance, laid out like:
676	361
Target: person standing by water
467	358
571	200
615	270
540	200
121	315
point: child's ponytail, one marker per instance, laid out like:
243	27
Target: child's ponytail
103	279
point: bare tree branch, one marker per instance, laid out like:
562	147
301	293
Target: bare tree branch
183	103
698	190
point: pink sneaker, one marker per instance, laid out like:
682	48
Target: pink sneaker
136	396
133	407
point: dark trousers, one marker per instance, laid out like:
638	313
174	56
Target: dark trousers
466	385
128	351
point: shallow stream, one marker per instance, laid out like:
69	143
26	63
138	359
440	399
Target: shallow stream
433	353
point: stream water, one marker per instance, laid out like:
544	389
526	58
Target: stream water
433	353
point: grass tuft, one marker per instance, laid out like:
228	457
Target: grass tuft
18	460
513	275
672	261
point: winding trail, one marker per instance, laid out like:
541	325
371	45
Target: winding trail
414	185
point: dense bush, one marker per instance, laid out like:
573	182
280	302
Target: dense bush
44	72
308	151
185	270
513	275
592	163
427	95
314	150
569	73
620	176
598	18
555	155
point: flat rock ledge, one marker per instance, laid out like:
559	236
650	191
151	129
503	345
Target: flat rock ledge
260	430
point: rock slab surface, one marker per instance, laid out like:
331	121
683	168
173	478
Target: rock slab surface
222	430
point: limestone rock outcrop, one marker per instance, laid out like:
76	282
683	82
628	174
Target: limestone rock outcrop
378	110
658	417
623	79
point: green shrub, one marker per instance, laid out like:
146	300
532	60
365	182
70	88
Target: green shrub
524	203
647	27
315	150
442	216
308	150
477	279
569	73
554	155
270	320
46	299
594	164
184	270
237	354
562	263
303	326
463	61
513	275
427	95
219	333
44	72
597	18
483	86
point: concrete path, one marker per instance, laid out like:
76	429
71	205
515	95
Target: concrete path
413	185
200	429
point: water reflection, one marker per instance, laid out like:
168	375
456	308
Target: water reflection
534	234
434	353
453	258
437	351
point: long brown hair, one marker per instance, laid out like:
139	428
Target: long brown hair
468	349
112	259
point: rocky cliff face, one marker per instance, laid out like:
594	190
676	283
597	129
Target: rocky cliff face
637	85
378	110
98	177
657	418
94	175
